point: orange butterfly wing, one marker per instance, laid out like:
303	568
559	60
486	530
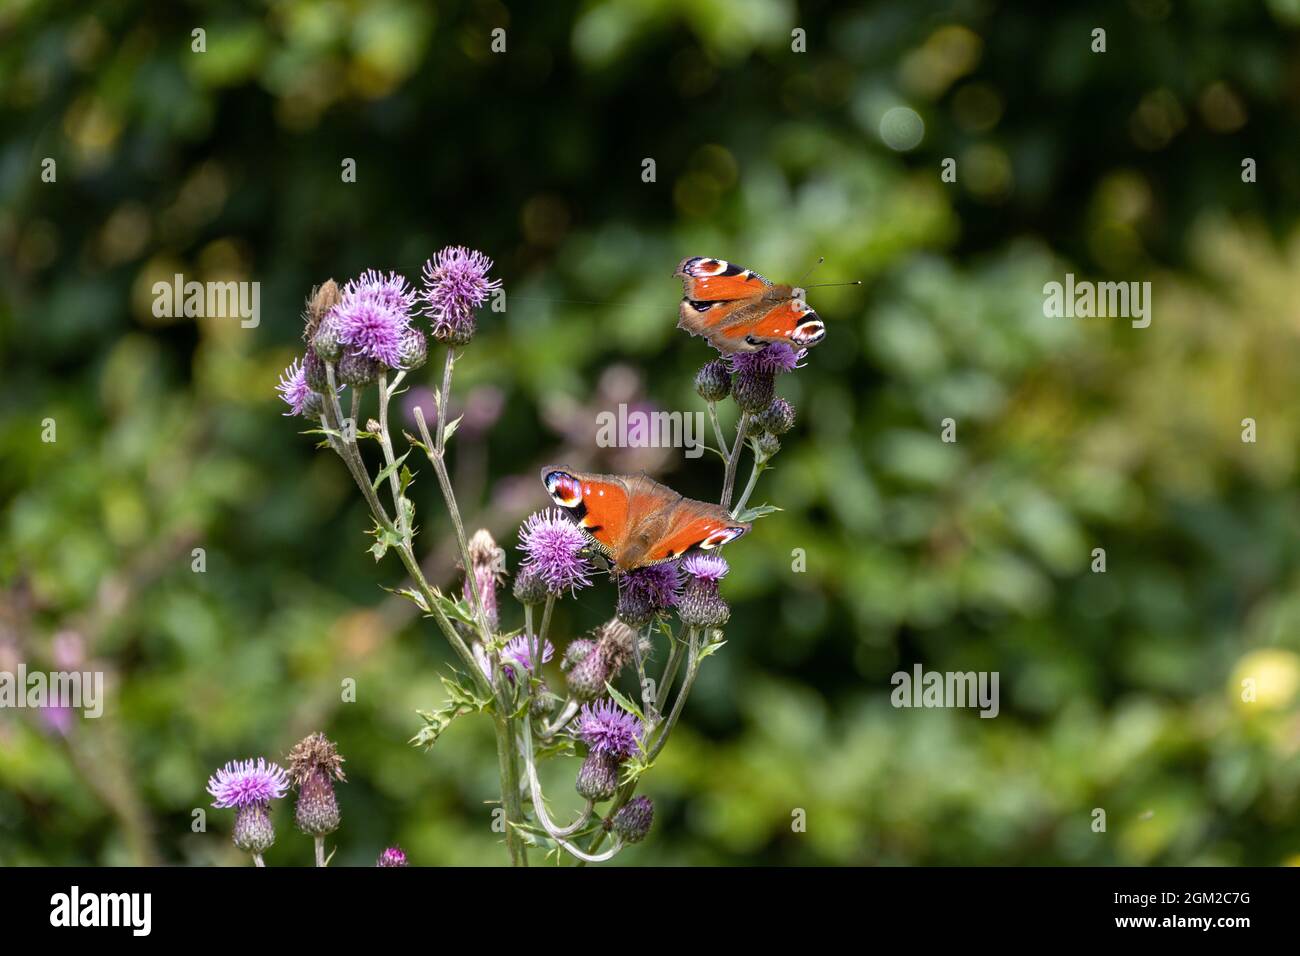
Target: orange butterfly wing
695	524
738	310
599	503
716	280
791	322
637	521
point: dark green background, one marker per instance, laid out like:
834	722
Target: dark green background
1119	691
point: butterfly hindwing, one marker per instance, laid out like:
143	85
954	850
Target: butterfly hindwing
637	521
695	525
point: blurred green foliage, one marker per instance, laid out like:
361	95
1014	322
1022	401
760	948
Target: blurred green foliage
1120	690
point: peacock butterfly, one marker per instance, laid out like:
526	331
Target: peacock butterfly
635	521
738	310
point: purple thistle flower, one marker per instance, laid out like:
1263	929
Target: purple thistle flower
393	856
455	284
293	388
658	583
706	567
608	729
518	652
392	290
552	545
373	317
241	783
776	358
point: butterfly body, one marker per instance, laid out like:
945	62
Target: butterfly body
738	310
635	521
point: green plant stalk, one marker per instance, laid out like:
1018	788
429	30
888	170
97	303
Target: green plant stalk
760	466
507	758
717	431
733	461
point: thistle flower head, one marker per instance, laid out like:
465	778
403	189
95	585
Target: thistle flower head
778	418
645	592
576	653
455	284
773	359
706	567
243	783
293	388
633	820
393	856
392	290
529	588
518	652
607	728
314	752
323	298
598	776
488	569
254	832
553	545
713	381
700	604
755	382
368	325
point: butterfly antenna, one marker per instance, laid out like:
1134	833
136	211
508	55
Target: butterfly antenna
820	260
827	285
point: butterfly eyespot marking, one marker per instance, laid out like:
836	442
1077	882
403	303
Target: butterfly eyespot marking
809	332
699	306
719	538
564	489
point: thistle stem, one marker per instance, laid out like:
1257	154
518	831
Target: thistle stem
692	669
733	460
320	851
758	469
257	860
386	443
570	708
558	834
717	431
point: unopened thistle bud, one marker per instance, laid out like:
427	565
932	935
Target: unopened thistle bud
713	381
314	765
488	567
779	417
753	393
598	777
254	832
530	589
633	820
325	342
415	350
393	856
358	371
314	370
323	298
587	678
768	445
575	653
700	604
